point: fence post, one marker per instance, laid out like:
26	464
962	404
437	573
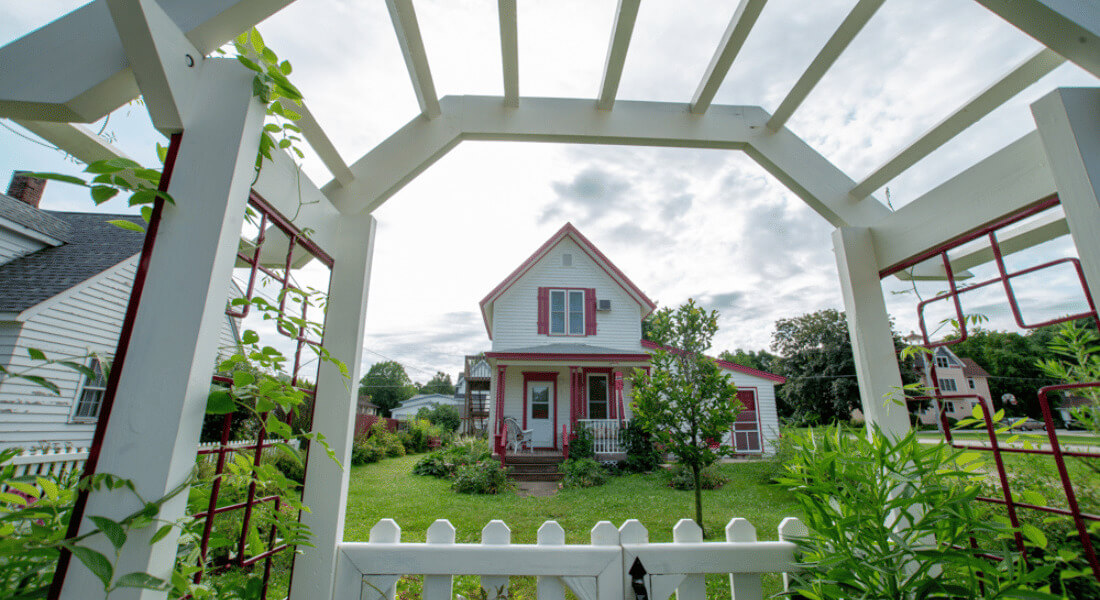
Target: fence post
743	586
694	586
548	587
439	587
791	530
382	587
495	533
609	582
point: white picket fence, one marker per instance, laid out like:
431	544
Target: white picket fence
605	435
599	570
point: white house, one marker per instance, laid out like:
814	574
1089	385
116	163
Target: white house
566	330
65	280
408	409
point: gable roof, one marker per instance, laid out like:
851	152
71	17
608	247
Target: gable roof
33	218
567	230
725	364
92	245
973	369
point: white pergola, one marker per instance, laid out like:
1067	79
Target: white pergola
103	55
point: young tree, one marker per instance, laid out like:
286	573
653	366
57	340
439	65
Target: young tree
686	402
388	385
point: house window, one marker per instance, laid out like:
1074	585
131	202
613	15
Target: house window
567	312
942	362
948	385
91	393
950	406
597	397
970	381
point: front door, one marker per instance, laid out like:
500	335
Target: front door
540	418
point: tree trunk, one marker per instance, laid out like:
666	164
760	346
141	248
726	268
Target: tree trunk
698	499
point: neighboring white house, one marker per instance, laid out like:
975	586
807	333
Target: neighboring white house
959	380
65	281
566	330
407	410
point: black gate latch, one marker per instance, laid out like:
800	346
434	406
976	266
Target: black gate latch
637	580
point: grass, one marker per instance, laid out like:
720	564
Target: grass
388	490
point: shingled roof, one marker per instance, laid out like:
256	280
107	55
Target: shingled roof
91	246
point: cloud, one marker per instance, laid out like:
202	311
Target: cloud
593	193
675	207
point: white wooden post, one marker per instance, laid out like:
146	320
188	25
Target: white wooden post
694	586
743	586
1069	125
439	587
631	532
870	331
382	587
549	587
790	530
326	484
495	533
154	426
609	582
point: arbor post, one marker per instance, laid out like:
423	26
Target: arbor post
1069	125
154	426
326	484
870	331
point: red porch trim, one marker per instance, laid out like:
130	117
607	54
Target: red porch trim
551	376
625	357
501	372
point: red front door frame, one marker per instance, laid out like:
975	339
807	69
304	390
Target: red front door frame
552	377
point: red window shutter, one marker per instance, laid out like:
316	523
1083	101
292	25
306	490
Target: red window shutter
544	311
589	311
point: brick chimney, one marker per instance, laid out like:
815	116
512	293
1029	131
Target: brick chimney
26	188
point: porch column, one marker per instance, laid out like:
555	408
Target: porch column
153	431
499	417
1069	125
573	397
326	484
870	331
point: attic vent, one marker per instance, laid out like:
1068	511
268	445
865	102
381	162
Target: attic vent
603	305
567	260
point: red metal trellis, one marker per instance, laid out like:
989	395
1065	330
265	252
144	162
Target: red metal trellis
1004	278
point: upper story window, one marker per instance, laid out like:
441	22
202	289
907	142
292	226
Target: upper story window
91	394
566	312
948	385
971	382
942	361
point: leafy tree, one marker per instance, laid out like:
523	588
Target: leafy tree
439	384
388	385
1012	362
686	402
761	360
444	416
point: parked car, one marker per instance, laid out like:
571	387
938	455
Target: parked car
1029	424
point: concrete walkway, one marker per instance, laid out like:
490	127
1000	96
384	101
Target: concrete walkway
536	488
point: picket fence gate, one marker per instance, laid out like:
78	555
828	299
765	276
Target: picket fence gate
599	570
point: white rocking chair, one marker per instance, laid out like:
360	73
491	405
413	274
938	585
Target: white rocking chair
518	439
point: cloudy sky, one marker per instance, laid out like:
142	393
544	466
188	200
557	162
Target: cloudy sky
704	224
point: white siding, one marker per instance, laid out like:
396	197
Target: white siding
514	401
13	245
82	320
515	313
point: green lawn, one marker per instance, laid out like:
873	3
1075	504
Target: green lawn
388	489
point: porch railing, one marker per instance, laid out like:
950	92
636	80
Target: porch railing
605	434
599	570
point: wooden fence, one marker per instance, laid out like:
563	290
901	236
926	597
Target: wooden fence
599	570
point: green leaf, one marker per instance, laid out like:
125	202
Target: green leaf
36	354
59	177
250	337
127	225
256	39
102	193
114	531
1034	535
49	487
25	488
264	404
41	381
159	535
147	213
162	153
220	403
285	67
96	563
10	498
243	378
140	580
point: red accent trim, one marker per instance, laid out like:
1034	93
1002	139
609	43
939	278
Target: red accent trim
547	356
127	330
552	377
544	311
589	311
725	364
588	248
500	424
618	398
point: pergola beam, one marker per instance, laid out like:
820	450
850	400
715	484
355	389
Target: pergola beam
509	51
849	28
79	141
320	142
744	18
1009	180
1016	81
89	73
625	17
416	59
1069	27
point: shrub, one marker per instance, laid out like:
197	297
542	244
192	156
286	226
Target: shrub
366	450
485	477
418	435
447	418
582	444
294	470
435	464
680	477
444	463
641	453
583	473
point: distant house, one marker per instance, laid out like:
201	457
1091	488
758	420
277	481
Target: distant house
959	377
473	390
65	280
365	407
407	410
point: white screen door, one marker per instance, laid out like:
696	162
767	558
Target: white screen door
540	420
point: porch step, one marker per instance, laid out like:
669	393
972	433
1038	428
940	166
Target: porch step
532	459
536	476
534	467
